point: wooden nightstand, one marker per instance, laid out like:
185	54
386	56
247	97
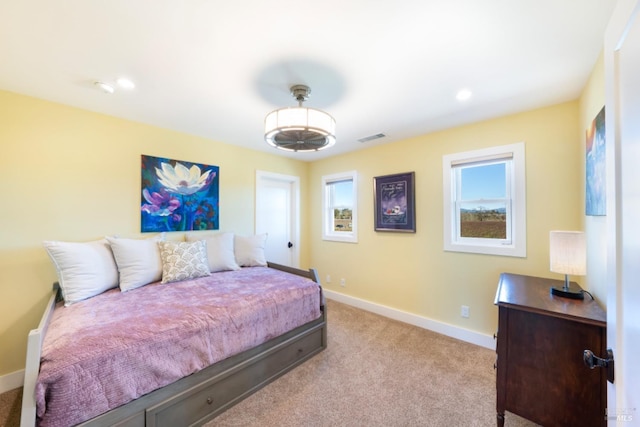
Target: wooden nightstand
541	375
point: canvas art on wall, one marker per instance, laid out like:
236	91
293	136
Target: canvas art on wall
178	195
596	196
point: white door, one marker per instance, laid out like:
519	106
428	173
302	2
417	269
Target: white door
622	115
277	213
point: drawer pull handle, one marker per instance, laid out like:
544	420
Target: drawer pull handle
209	400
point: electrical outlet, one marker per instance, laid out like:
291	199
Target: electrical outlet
328	278
464	311
343	282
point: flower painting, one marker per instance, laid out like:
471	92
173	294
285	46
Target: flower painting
178	196
595	199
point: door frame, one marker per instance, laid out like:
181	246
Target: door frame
263	177
619	255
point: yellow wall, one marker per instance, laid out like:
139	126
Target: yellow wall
69	174
73	175
412	272
591	102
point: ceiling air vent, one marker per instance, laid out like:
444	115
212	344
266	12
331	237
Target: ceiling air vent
372	137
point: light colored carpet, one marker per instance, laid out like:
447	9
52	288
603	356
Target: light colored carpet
10	408
379	372
375	372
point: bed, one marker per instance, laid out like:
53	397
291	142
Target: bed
218	372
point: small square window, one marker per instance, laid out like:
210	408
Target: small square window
339	207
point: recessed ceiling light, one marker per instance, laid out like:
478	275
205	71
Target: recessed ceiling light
125	83
463	95
106	88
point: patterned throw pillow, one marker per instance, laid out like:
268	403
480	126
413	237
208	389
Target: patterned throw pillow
183	260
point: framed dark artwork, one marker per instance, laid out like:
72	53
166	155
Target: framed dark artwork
178	195
394	202
596	194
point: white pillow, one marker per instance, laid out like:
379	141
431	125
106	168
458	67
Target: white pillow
249	250
220	253
138	261
84	269
183	260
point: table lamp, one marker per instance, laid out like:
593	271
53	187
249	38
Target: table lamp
568	255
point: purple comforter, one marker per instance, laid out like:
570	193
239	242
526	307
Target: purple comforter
113	348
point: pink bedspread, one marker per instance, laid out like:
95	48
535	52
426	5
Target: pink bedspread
113	348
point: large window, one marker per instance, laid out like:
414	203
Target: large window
485	201
339	207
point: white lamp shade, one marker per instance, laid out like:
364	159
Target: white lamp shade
300	128
300	118
568	252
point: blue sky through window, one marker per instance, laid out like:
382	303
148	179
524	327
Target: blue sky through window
484	182
343	193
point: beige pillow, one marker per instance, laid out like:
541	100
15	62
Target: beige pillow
138	261
84	270
220	253
249	250
183	260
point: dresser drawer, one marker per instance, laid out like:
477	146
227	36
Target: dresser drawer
209	399
541	338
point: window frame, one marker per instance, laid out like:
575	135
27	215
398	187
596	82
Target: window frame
516	243
328	233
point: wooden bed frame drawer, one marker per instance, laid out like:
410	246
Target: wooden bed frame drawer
210	398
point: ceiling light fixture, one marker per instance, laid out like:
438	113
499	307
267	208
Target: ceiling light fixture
106	88
125	83
463	95
300	128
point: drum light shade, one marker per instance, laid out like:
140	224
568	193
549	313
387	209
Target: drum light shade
300	128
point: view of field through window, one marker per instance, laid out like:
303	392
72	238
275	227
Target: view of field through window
483	206
342	212
342	220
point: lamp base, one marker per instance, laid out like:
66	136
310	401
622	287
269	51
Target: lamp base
567	293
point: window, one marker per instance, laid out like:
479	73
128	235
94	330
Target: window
339	207
485	201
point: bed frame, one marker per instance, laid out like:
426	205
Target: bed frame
200	397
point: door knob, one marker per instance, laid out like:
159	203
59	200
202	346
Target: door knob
593	361
289	245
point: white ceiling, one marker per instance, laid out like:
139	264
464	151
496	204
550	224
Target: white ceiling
216	68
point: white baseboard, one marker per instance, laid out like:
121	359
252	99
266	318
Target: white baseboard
11	381
472	337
